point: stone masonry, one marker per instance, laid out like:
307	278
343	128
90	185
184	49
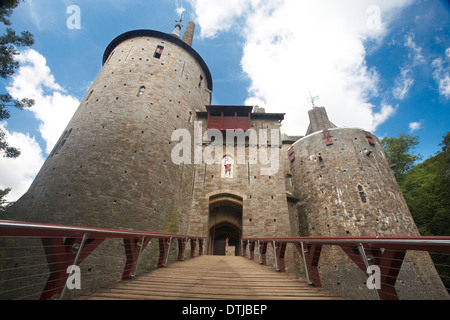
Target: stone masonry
114	167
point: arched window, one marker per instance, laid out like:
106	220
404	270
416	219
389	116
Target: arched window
158	52
227	169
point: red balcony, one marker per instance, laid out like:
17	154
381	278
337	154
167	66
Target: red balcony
229	117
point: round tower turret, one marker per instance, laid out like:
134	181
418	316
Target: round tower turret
346	188
112	165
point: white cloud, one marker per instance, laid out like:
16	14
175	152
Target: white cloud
179	8
441	73
53	107
444	86
217	15
403	84
18	174
293	47
416	51
413	126
385	113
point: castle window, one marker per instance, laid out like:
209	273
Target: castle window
158	52
369	138
227	167
90	94
327	138
362	194
200	82
141	91
61	143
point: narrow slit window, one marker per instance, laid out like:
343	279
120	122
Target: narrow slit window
158	52
61	143
89	95
141	91
362	194
200	81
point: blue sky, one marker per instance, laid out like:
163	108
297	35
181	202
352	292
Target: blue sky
380	65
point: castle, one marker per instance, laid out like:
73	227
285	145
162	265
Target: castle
146	150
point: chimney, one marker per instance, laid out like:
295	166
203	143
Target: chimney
188	35
318	120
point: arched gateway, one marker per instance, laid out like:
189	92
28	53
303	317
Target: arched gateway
225	224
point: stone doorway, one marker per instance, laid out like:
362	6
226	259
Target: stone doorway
225	225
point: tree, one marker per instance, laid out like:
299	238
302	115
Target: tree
3	203
9	42
446	151
427	193
399	152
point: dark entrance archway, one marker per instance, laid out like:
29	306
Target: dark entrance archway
225	224
225	237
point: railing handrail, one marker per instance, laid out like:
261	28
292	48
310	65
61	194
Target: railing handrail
357	249
66	246
409	241
9	228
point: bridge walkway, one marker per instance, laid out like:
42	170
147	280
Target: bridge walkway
214	278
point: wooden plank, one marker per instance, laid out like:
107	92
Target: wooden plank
214	278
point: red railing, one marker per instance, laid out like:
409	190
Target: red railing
385	252
66	246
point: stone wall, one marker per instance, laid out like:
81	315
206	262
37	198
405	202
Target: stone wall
114	169
347	188
112	166
264	200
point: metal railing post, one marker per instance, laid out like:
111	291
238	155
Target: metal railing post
275	254
141	246
306	264
203	245
183	257
168	252
259	253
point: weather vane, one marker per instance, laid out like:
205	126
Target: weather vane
312	99
181	19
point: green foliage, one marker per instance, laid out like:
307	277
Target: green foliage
399	152
426	189
9	42
427	193
3	203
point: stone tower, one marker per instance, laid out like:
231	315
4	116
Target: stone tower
112	165
346	188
